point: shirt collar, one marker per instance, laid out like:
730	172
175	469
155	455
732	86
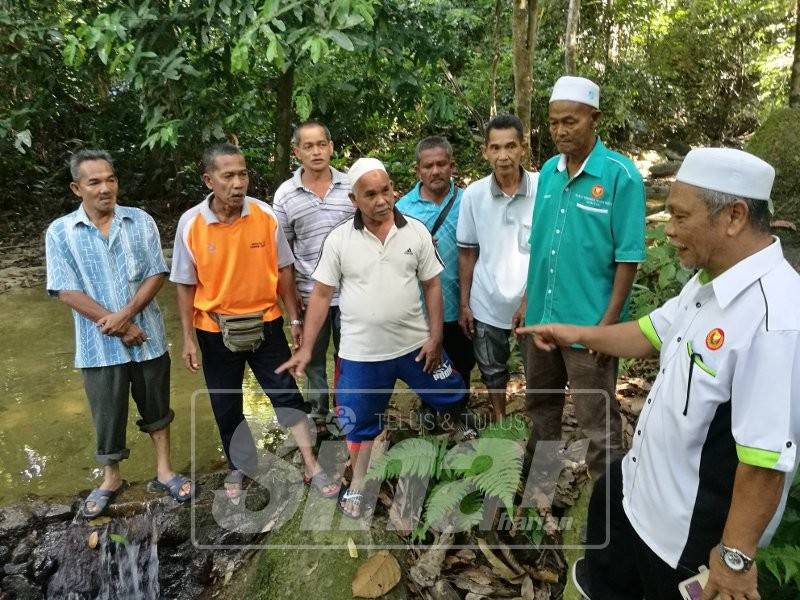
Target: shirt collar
209	215
120	212
593	164
399	219
743	274
521	191
416	192
337	178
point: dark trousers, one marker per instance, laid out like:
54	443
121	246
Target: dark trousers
459	348
224	374
627	569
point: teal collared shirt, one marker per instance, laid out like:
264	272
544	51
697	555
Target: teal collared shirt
427	211
582	227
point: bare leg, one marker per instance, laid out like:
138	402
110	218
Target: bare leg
164	470
302	435
112	479
359	459
497	398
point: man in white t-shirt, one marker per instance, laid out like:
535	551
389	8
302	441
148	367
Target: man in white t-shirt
493	235
379	259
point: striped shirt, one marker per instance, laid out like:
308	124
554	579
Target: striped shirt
110	271
306	221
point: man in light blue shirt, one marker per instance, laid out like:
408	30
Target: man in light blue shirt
105	262
435	200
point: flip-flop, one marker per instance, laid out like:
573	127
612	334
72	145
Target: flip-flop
101	498
320	481
173	487
238	479
355	498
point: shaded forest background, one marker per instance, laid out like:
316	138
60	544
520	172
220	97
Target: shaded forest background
155	81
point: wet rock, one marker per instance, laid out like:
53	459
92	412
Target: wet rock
15	568
175	528
43	569
21	589
13	520
58	512
24	548
5	554
679	147
202	565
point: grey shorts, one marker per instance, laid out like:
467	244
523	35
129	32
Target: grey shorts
108	390
492	347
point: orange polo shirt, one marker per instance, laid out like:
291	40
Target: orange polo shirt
234	266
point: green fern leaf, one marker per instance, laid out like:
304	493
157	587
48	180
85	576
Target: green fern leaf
444	502
415	457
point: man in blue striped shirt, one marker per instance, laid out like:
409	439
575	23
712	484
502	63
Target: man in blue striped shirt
105	262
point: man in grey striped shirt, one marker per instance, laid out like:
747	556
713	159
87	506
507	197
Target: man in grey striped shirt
308	206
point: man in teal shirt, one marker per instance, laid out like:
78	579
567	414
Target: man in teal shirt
435	200
586	240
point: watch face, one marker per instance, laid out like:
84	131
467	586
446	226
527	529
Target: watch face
734	561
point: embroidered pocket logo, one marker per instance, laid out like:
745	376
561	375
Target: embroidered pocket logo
715	339
598	191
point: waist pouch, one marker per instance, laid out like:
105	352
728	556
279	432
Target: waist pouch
241	333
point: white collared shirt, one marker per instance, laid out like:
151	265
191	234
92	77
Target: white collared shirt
728	391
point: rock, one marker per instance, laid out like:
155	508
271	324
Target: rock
14	568
665	169
13	520
5	554
24	548
58	512
21	589
679	147
43	569
672	155
202	565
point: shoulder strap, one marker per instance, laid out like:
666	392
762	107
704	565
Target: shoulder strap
445	211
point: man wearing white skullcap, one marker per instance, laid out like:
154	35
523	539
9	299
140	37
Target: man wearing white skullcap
586	242
379	259
715	447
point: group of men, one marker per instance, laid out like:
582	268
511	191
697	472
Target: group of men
425	287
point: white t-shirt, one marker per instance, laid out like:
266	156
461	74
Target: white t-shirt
500	226
379	300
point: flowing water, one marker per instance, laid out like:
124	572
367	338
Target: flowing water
46	435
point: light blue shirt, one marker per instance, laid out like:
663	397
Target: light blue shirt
427	211
110	271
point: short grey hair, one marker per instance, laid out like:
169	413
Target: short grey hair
303	125
212	152
429	143
758	210
82	156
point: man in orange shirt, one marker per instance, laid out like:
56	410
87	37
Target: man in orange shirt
231	258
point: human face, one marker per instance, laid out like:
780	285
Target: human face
228	180
97	186
373	195
572	127
434	169
697	236
504	151
313	149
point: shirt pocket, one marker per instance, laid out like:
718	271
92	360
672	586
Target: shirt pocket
591	209
702	377
136	266
524	238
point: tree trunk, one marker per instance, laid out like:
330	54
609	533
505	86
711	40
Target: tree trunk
524	29
794	82
571	37
498	5
283	125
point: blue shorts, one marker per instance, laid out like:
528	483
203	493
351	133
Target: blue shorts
360	411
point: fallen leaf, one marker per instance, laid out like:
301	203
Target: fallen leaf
526	591
498	566
118	538
466	555
379	574
351	548
545	575
99	521
477	576
93	539
465	583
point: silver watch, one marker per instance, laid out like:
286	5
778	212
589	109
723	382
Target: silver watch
294	322
734	559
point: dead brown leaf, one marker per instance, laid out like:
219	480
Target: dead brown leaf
379	574
526	591
93	539
498	566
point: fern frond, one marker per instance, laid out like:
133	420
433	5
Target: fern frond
513	427
444	502
783	562
417	457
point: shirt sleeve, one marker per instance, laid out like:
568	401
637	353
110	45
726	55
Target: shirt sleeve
329	267
279	208
155	256
285	256
430	263
184	269
62	272
466	233
628	219
656	325
765	394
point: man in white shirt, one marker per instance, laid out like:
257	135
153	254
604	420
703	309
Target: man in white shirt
493	236
715	447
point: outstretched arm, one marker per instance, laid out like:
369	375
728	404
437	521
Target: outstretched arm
316	313
624	340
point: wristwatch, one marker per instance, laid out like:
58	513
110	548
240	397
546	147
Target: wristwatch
734	559
294	322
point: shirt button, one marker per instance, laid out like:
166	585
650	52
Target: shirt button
552	270
698	305
639	432
650	401
552	251
634	459
558	231
679	338
549	291
664	370
562	211
566	189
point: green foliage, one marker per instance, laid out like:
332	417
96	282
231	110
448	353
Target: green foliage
660	276
779	564
460	477
775	142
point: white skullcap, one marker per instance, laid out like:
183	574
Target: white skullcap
362	166
577	89
729	171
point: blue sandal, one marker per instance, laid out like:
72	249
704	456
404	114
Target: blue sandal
173	487
101	498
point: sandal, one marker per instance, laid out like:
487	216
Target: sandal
173	487
235	483
320	480
101	498
355	499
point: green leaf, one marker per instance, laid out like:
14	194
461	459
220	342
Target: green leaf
23	138
340	39
302	106
118	538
